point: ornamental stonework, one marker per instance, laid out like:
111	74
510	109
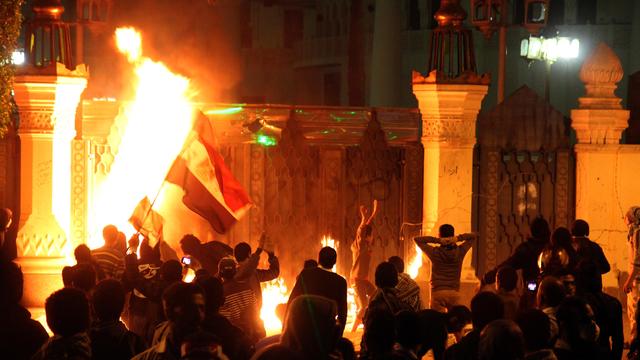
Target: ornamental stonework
36	121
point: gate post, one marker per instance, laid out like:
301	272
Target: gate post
449	110
605	170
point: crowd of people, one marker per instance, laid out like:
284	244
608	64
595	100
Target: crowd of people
126	300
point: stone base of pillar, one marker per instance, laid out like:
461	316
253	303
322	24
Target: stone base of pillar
42	276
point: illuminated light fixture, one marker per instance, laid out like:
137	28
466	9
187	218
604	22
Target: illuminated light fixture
225	111
17	57
549	49
266	140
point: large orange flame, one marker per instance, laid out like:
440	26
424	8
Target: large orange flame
155	125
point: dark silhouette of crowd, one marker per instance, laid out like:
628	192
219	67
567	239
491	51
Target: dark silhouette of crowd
125	300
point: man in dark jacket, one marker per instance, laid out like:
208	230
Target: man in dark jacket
525	258
587	249
110	339
20	336
322	281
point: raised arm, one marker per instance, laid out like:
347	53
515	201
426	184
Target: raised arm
424	241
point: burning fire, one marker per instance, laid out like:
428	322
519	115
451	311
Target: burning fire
415	264
274	293
157	122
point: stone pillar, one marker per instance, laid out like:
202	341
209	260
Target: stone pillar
603	165
47	106
449	112
386	57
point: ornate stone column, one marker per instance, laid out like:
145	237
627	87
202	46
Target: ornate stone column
47	106
603	165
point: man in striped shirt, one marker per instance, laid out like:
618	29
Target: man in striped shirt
109	257
240	304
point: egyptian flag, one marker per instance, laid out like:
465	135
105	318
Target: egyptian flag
210	189
147	221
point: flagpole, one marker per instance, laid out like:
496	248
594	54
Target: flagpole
155	198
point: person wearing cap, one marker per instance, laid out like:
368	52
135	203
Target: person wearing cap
446	260
240	305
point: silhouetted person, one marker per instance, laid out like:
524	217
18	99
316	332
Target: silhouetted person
310	328
310	263
559	258
67	276
322	281
20	336
433	333
446	264
6	219
68	318
535	328
578	331
240	305
525	258
248	267
84	277
407	335
501	340
506	281
184	307
550	296
408	289
110	257
632	286
346	349
361	249
606	308
379	334
83	256
202	346
110	339
587	249
485	307
386	296
234	342
458	320
208	255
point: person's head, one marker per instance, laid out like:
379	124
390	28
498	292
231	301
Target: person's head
580	228
576	323
457	318
190	244
486	307
227	268
276	352
110	235
540	230
588	277
11	284
501	340
386	275
6	218
242	251
535	327
379	332
201	345
433	333
67	276
550	293
506	278
310	264
445	231
67	312
171	271
184	307
561	238
327	257
308	316
213	292
346	349
398	263
408	329
82	253
632	217
84	277
107	300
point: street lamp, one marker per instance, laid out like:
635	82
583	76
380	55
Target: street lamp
549	47
491	15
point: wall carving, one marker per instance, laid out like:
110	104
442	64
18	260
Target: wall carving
32	243
38	121
79	191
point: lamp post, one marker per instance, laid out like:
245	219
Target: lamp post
489	16
549	47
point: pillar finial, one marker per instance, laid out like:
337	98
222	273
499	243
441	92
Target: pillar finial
600	73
